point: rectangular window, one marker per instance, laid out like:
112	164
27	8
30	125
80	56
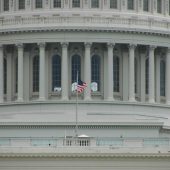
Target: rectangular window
21	4
76	3
159	6
130	4
57	4
38	4
113	4
146	5
94	3
6	5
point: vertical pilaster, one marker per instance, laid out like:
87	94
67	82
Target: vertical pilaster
64	71
140	5
20	72
42	89
142	76
1	74
151	74
123	5
157	71
167	90
132	72
125	75
87	71
110	85
9	75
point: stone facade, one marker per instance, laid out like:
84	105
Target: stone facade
121	49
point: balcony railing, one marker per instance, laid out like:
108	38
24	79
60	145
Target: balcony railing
57	22
85	142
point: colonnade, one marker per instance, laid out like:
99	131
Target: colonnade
109	94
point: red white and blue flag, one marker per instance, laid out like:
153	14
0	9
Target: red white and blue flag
81	86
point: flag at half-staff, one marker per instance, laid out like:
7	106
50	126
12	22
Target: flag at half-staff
81	86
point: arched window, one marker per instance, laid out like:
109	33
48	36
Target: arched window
147	76
76	3
130	4
146	5
21	4
116	73
94	3
95	70
16	75
76	67
113	4
159	6
6	5
38	3
5	76
57	3
162	78
36	73
56	72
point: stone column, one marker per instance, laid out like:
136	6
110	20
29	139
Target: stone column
1	74
167	90
42	89
151	74
109	66
132	72
64	71
142	76
87	71
20	72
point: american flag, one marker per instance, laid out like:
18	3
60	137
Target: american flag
81	86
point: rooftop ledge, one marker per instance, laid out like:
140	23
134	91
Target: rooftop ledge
98	23
85	152
82	102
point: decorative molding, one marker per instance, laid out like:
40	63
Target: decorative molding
64	44
41	44
87	44
110	45
132	46
86	155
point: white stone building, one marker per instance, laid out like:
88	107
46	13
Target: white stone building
120	48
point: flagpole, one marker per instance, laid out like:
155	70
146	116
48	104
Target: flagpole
76	128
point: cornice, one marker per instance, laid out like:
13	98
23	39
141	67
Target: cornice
84	29
87	125
87	155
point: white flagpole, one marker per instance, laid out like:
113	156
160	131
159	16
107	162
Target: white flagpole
76	128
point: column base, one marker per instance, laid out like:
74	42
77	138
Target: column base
20	100
168	102
87	99
110	99
64	98
132	100
151	101
42	99
1	101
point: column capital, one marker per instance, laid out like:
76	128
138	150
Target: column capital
110	45
64	44
88	44
41	44
168	49
132	46
152	47
20	45
1	46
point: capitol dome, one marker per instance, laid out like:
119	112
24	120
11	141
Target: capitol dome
119	48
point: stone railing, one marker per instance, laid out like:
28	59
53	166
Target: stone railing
84	23
106	142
